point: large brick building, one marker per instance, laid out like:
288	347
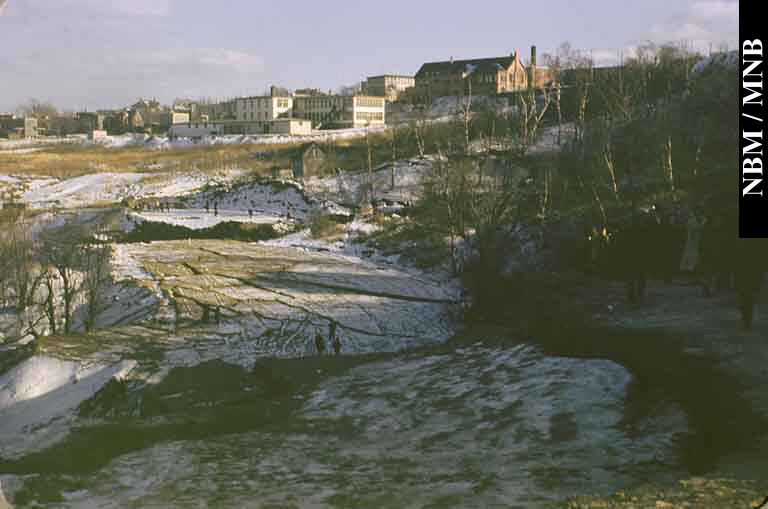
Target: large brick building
481	76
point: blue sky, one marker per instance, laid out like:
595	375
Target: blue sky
107	53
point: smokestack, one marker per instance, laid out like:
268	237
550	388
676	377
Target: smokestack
532	77
533	56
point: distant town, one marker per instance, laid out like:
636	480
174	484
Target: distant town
374	102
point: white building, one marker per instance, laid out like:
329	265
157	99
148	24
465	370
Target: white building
262	108
291	126
196	129
341	111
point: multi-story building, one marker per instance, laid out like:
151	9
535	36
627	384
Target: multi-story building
341	111
89	121
390	86
163	120
224	110
199	129
300	92
263	108
481	76
12	126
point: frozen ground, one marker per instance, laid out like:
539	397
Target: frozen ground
105	188
478	426
39	396
347	188
181	303
163	143
40	142
728	60
262	288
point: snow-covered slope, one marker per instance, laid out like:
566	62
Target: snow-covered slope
40	395
728	60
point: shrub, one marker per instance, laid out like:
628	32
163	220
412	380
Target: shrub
322	225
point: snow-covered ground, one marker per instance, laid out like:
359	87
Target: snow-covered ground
82	191
198	219
348	187
30	150
40	142
728	60
101	188
478	426
38	399
164	143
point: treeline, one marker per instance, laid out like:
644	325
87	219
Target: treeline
45	277
647	135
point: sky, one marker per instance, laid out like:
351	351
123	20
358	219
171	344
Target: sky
89	54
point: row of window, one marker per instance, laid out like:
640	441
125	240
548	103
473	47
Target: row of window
321	103
263	103
258	115
319	116
370	116
370	102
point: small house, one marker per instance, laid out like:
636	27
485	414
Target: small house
309	161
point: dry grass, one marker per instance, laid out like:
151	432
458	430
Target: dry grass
67	161
74	161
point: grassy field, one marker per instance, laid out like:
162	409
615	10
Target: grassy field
67	161
74	161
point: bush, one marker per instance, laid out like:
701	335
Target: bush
322	225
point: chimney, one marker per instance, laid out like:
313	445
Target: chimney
532	74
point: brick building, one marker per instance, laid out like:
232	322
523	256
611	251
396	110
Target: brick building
483	76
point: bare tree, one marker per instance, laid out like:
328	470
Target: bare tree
465	113
369	150
20	251
353	89
394	156
419	124
49	303
96	258
38	109
447	197
62	250
529	117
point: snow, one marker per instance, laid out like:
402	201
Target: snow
99	188
448	423
9	180
165	143
125	266
80	191
198	219
266	199
22	150
729	60
447	107
347	187
38	395
41	142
